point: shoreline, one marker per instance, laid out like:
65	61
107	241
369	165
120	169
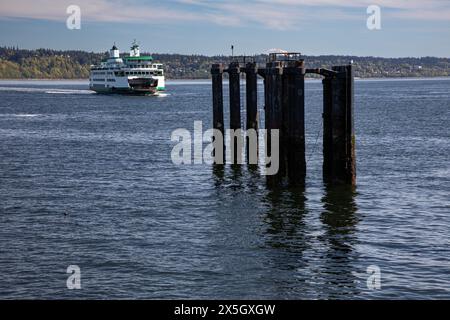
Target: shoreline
208	79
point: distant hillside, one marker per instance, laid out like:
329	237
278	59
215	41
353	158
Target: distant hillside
70	64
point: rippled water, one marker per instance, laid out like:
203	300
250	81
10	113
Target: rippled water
87	180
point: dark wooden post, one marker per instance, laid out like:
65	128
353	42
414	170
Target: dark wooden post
217	87
295	121
235	106
327	137
350	129
274	112
339	138
252	105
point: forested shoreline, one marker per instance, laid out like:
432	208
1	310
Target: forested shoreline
18	63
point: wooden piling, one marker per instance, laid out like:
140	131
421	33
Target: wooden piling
327	137
235	106
251	71
294	73
274	112
284	98
339	164
218	123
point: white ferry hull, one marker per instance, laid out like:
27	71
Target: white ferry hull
136	86
131	91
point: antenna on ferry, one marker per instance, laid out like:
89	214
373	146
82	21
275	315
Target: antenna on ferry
232	51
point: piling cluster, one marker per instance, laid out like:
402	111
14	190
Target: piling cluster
284	109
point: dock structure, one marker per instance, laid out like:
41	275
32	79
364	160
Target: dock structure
284	110
284	84
339	160
234	76
218	122
251	83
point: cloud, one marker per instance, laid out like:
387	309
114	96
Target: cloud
283	14
270	14
94	10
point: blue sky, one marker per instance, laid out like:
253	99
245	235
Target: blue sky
313	27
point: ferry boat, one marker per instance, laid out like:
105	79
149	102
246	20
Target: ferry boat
133	74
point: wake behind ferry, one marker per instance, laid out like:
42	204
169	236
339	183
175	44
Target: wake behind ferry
134	74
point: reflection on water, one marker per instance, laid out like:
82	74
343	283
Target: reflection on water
286	209
218	174
340	218
286	230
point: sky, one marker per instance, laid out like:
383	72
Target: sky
409	28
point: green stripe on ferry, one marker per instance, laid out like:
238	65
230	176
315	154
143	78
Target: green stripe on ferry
139	58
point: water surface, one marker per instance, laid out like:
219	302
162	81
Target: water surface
87	180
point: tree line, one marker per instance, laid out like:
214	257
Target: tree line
18	63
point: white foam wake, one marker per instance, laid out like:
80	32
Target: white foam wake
47	90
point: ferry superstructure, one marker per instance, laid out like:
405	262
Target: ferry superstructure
133	74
